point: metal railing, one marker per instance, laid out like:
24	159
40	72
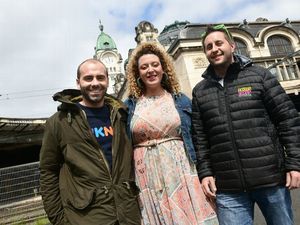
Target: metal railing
19	183
286	68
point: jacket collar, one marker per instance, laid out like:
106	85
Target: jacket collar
69	97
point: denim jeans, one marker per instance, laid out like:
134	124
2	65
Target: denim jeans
238	208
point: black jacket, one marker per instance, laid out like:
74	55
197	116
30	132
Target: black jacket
247	133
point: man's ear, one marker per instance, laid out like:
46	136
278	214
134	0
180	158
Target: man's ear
232	46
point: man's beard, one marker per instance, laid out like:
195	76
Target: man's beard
94	100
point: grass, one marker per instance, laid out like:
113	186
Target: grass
43	221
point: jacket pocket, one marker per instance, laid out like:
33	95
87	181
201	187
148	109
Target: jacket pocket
79	200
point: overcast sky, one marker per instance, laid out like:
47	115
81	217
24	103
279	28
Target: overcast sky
43	41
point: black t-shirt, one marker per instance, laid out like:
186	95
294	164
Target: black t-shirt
99	121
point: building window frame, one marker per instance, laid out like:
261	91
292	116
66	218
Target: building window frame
241	47
279	46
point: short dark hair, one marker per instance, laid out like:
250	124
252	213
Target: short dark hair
87	60
212	28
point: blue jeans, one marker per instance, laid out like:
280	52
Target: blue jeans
238	208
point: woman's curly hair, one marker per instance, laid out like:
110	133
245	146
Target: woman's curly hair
171	84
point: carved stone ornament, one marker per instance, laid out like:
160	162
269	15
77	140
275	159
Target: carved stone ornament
199	62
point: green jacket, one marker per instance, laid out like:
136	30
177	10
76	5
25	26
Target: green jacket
76	183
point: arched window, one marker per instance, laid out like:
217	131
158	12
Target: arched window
279	45
241	47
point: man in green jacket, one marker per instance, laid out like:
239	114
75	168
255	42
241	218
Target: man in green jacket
86	156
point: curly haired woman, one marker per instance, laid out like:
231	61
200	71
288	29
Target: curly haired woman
159	123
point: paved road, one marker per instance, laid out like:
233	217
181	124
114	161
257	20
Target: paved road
259	219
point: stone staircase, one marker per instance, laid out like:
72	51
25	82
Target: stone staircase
23	212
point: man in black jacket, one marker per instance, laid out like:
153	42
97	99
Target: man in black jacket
246	133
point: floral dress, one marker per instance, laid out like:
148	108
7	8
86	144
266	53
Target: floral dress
170	189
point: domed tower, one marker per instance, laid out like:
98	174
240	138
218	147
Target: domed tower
106	50
145	31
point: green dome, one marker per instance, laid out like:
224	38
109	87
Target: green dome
105	42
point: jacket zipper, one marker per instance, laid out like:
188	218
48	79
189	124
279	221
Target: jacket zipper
232	137
112	118
106	163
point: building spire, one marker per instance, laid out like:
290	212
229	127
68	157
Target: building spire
100	25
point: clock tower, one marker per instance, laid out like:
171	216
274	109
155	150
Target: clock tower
106	50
